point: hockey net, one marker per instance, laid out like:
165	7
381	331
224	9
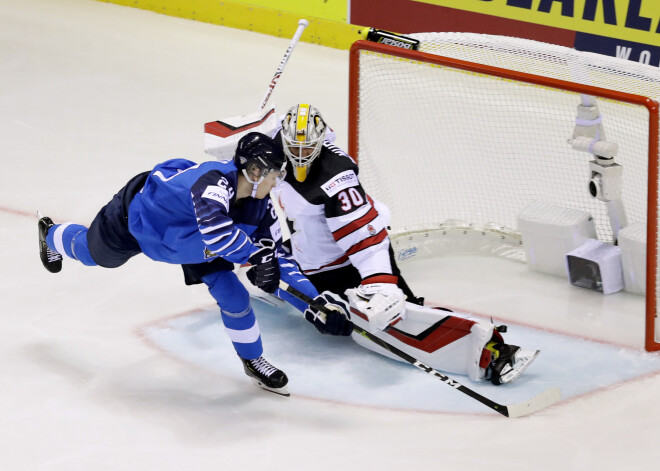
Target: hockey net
458	137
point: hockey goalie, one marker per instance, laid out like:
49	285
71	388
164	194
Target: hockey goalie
340	256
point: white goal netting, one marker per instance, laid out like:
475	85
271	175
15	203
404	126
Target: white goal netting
453	145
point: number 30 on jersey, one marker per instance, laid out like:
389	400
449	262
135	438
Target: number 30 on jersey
350	199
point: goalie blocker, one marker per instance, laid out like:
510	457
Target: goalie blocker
446	342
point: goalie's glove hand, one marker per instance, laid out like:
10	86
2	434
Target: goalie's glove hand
337	321
383	302
265	271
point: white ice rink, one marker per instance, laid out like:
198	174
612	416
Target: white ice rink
127	369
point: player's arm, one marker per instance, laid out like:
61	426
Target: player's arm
268	226
337	323
212	196
360	229
357	226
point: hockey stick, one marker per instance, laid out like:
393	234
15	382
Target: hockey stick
302	24
221	136
540	401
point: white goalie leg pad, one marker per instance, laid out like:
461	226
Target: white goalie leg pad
446	341
374	347
256	293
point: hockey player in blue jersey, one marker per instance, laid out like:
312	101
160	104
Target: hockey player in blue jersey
205	217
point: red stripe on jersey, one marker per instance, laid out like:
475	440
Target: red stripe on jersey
355	225
439	335
339	261
381	279
368	242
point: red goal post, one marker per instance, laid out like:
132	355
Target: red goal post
470	128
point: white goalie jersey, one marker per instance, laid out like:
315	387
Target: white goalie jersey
333	222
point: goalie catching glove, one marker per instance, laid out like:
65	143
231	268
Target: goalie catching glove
334	323
265	271
381	300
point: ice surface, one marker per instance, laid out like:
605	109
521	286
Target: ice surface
93	93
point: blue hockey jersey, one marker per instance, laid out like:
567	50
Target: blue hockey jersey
187	213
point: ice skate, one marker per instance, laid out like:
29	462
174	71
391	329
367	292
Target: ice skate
508	362
52	260
266	375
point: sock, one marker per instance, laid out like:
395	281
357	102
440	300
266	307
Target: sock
70	240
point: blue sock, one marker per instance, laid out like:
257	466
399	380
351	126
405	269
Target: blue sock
70	240
237	314
244	334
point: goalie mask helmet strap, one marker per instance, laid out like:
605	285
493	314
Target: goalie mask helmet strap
303	133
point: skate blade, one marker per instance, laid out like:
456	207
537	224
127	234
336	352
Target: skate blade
283	391
521	365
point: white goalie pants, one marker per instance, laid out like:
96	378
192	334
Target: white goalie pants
438	338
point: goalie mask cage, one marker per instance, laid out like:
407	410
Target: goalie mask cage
464	133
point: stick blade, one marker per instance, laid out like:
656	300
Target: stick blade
540	401
222	136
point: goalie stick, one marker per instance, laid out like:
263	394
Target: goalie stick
540	401
302	24
221	137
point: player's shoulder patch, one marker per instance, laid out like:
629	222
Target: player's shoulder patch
222	192
342	180
219	194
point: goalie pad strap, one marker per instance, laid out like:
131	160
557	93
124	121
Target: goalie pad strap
486	357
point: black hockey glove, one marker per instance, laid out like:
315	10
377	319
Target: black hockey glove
335	323
265	271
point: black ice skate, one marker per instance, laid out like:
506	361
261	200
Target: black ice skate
508	362
266	375
51	259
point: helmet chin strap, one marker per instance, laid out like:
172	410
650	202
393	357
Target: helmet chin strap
255	184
